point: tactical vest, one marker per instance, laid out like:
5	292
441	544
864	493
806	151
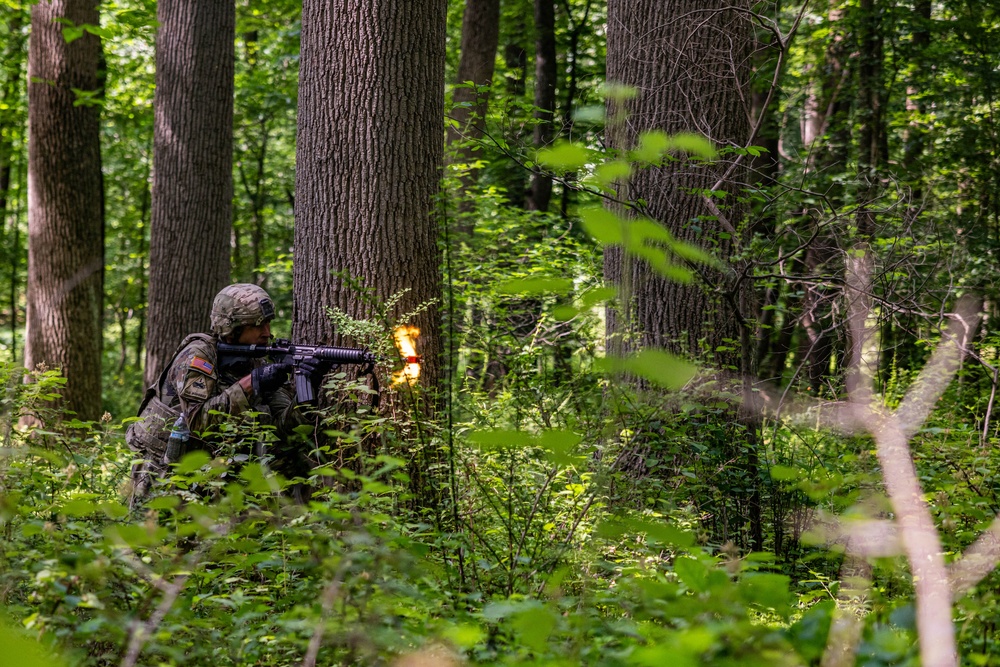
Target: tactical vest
148	436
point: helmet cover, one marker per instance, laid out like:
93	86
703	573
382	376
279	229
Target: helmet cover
240	305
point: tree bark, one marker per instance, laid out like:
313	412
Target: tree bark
540	188
191	214
476	65
691	71
367	164
871	143
65	254
13	59
477	62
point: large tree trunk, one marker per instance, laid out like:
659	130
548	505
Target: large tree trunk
690	68
368	163
693	76
191	213
65	255
540	189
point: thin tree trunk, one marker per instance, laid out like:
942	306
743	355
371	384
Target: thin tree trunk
189	258
872	136
476	66
13	58
540	188
65	257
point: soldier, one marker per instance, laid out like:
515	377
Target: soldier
194	384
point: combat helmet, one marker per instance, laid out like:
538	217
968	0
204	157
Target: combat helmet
240	305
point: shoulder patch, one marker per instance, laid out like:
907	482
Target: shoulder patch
202	365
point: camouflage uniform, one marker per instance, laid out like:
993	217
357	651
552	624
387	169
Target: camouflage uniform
208	393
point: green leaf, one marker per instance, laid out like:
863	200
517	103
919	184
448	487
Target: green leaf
72	33
593	114
784	473
644	229
599	295
655	531
692	573
660	531
536	286
97	30
619	92
113	510
603	225
78	507
192	461
559	446
464	636
563	156
660	368
693	253
496	611
499	439
660	655
609	172
767	590
24	651
33	528
564	313
256	480
695	144
533	627
164	503
652	146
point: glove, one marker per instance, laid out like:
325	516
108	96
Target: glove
314	368
268	379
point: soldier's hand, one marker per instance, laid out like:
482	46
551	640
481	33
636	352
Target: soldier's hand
314	368
268	379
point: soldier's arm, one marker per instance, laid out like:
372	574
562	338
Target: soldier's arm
196	381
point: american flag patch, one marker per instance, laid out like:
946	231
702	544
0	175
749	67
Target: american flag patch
202	365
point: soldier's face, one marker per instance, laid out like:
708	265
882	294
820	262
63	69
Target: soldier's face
260	335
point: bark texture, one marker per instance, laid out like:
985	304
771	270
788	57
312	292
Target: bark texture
476	65
691	69
477	62
370	149
191	215
540	189
65	254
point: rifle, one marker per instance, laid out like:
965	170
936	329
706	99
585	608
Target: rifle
285	351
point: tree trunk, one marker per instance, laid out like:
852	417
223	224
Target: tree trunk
367	164
64	204
870	148
9	96
477	62
692	76
191	214
540	189
691	72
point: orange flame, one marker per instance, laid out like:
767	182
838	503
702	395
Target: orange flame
406	340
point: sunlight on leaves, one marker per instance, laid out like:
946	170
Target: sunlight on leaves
536	286
563	157
661	368
24	651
